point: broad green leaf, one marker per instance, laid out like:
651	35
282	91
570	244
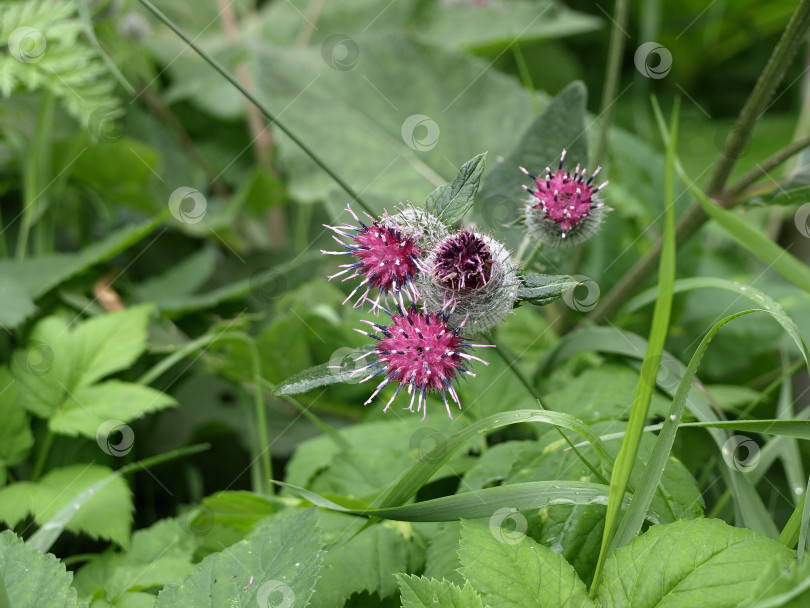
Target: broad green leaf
106	512
441	557
452	201
29	579
17	303
15	430
561	125
157	556
421	592
277	562
366	562
512	570
776	588
542	289
38	275
84	411
702	562
109	343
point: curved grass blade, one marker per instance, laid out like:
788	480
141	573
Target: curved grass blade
482	503
626	459
412	480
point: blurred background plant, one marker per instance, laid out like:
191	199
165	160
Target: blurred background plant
161	273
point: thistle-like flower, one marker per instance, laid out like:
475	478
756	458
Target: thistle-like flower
421	353
471	277
426	228
386	258
565	209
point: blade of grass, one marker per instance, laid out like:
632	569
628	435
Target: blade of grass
412	480
628	451
481	503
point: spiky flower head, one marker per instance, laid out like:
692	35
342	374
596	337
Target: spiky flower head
421	353
564	209
386	258
471	276
426	228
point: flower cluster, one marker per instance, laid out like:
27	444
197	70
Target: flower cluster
453	281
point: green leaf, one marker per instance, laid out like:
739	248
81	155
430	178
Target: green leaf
15	430
776	588
279	561
421	592
240	509
441	557
17	303
349	568
40	274
29	579
561	125
702	562
514	571
321	375
84	411
158	555
182	278
105	512
452	201
542	289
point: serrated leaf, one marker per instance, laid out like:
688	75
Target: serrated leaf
421	592
29	579
516	571
441	557
364	563
17	303
452	201
277	562
85	410
158	555
542	289
109	343
320	375
702	562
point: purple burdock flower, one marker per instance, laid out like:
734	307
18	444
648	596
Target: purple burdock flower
564	208
463	261
419	352
473	277
386	259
